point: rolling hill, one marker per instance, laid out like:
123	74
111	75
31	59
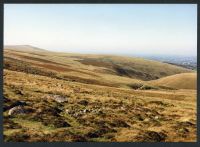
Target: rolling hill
24	48
135	68
52	96
178	81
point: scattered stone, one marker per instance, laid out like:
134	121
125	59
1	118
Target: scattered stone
85	110
67	111
16	110
146	119
7	106
58	98
95	111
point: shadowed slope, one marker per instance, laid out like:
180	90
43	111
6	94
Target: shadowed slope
130	67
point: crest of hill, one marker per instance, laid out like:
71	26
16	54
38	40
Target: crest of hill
121	66
133	67
24	48
178	81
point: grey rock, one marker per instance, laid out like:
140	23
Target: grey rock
67	111
16	110
58	98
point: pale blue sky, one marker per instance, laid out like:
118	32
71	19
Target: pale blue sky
104	28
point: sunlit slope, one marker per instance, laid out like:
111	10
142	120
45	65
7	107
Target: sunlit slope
75	97
94	113
24	48
178	81
130	67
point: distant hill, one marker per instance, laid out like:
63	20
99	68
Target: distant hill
133	67
121	66
179	81
189	62
24	48
188	66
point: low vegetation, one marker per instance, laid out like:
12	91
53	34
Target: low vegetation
79	98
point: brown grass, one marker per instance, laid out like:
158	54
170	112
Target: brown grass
125	114
179	81
100	106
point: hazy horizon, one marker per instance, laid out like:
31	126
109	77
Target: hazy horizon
128	29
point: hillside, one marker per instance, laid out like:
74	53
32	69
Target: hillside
178	81
24	48
135	68
51	96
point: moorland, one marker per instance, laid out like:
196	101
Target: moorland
52	96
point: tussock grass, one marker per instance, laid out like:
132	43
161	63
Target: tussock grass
119	105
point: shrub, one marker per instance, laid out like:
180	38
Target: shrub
148	87
136	85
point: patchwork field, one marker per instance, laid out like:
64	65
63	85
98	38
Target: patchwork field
51	96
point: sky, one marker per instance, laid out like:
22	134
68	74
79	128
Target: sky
128	29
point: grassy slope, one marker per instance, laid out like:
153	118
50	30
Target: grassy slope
25	48
114	112
179	81
101	66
